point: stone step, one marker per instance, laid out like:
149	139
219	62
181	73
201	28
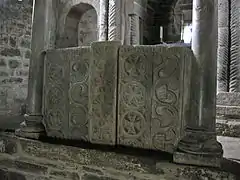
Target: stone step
231	147
229	111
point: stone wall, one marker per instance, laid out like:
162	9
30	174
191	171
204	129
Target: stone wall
15	41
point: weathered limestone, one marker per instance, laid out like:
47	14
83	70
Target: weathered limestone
43	38
27	160
153	100
200	146
225	108
134	29
103	92
66	93
103	20
223	60
235	46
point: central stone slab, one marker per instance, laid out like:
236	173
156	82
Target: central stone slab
136	96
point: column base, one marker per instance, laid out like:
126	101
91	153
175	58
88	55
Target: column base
200	148
31	128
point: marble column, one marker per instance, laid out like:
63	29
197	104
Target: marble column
43	38
134	30
199	146
223	46
103	20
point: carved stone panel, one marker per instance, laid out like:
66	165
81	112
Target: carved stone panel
55	99
102	92
78	92
134	106
153	105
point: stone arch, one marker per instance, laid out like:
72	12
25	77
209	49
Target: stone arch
72	17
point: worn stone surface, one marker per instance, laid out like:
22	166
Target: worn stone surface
223	46
66	93
15	40
103	92
156	72
228	98
228	127
44	161
228	111
231	146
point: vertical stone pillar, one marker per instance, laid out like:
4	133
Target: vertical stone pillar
103	20
235	47
114	20
223	46
134	29
199	146
43	38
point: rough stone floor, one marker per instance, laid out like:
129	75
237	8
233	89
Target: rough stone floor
24	159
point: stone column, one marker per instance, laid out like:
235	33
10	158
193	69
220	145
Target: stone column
199	146
43	38
235	47
114	20
223	46
134	29
103	20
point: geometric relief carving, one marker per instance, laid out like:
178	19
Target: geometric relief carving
134	107
166	103
149	96
102	92
55	93
78	93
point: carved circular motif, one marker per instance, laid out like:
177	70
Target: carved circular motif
78	117
134	94
78	93
134	65
133	123
167	116
169	68
164	95
54	119
79	71
54	96
55	73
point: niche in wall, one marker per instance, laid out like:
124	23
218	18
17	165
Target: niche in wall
80	26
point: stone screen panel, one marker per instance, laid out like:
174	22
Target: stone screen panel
153	98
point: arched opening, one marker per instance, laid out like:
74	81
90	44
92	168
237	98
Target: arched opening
80	26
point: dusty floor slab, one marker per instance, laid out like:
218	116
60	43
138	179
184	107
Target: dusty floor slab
34	159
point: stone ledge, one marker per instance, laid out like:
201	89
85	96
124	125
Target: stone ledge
228	99
228	111
228	127
34	158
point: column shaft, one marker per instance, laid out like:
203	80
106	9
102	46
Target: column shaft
223	60
134	30
43	38
204	46
235	47
114	20
103	20
199	146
